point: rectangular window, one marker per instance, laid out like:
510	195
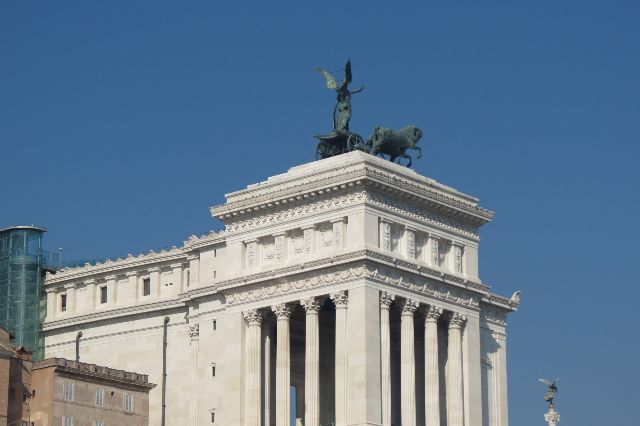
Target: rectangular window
67	421
214	324
63	303
128	403
146	287
103	294
100	397
69	391
213	369
213	416
214	274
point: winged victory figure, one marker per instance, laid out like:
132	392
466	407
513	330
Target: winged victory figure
342	110
552	390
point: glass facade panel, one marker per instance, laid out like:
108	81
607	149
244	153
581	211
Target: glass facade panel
21	285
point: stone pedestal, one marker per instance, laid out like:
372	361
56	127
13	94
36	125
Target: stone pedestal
552	416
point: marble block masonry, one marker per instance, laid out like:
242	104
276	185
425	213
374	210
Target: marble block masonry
352	280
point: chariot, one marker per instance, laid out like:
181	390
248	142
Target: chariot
338	142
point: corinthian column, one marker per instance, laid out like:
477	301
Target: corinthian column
266	388
252	391
312	363
341	300
385	356
283	361
193	331
407	365
455	405
431	368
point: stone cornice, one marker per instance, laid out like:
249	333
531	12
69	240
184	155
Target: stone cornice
111	314
368	263
359	196
361	170
212	238
120	265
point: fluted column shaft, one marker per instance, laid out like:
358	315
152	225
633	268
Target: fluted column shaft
193	331
312	363
253	355
266	351
385	357
407	365
341	300
455	401
283	366
431	367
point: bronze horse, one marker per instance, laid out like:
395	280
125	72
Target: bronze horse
394	143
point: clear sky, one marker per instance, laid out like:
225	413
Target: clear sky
122	122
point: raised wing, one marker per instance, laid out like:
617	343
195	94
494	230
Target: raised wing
331	82
546	382
347	72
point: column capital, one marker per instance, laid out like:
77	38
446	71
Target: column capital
409	307
340	299
253	317
386	299
282	311
311	305
432	313
193	330
456	320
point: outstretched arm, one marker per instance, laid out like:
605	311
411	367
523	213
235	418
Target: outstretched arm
358	90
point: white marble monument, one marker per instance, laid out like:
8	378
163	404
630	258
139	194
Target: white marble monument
351	279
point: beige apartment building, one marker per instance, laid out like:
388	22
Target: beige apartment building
71	393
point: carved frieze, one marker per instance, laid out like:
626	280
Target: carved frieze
386	236
411	244
457	251
345	273
296	243
308	240
326	234
251	254
435	251
279	247
340	201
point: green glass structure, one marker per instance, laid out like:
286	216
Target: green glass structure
22	267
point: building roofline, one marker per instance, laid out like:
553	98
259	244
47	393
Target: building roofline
37	228
96	371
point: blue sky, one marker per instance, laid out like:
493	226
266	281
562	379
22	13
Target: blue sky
122	122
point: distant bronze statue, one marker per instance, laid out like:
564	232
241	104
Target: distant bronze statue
395	143
342	110
341	139
552	390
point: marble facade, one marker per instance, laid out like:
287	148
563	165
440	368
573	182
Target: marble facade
351	279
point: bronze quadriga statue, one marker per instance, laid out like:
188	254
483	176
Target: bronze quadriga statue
382	142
